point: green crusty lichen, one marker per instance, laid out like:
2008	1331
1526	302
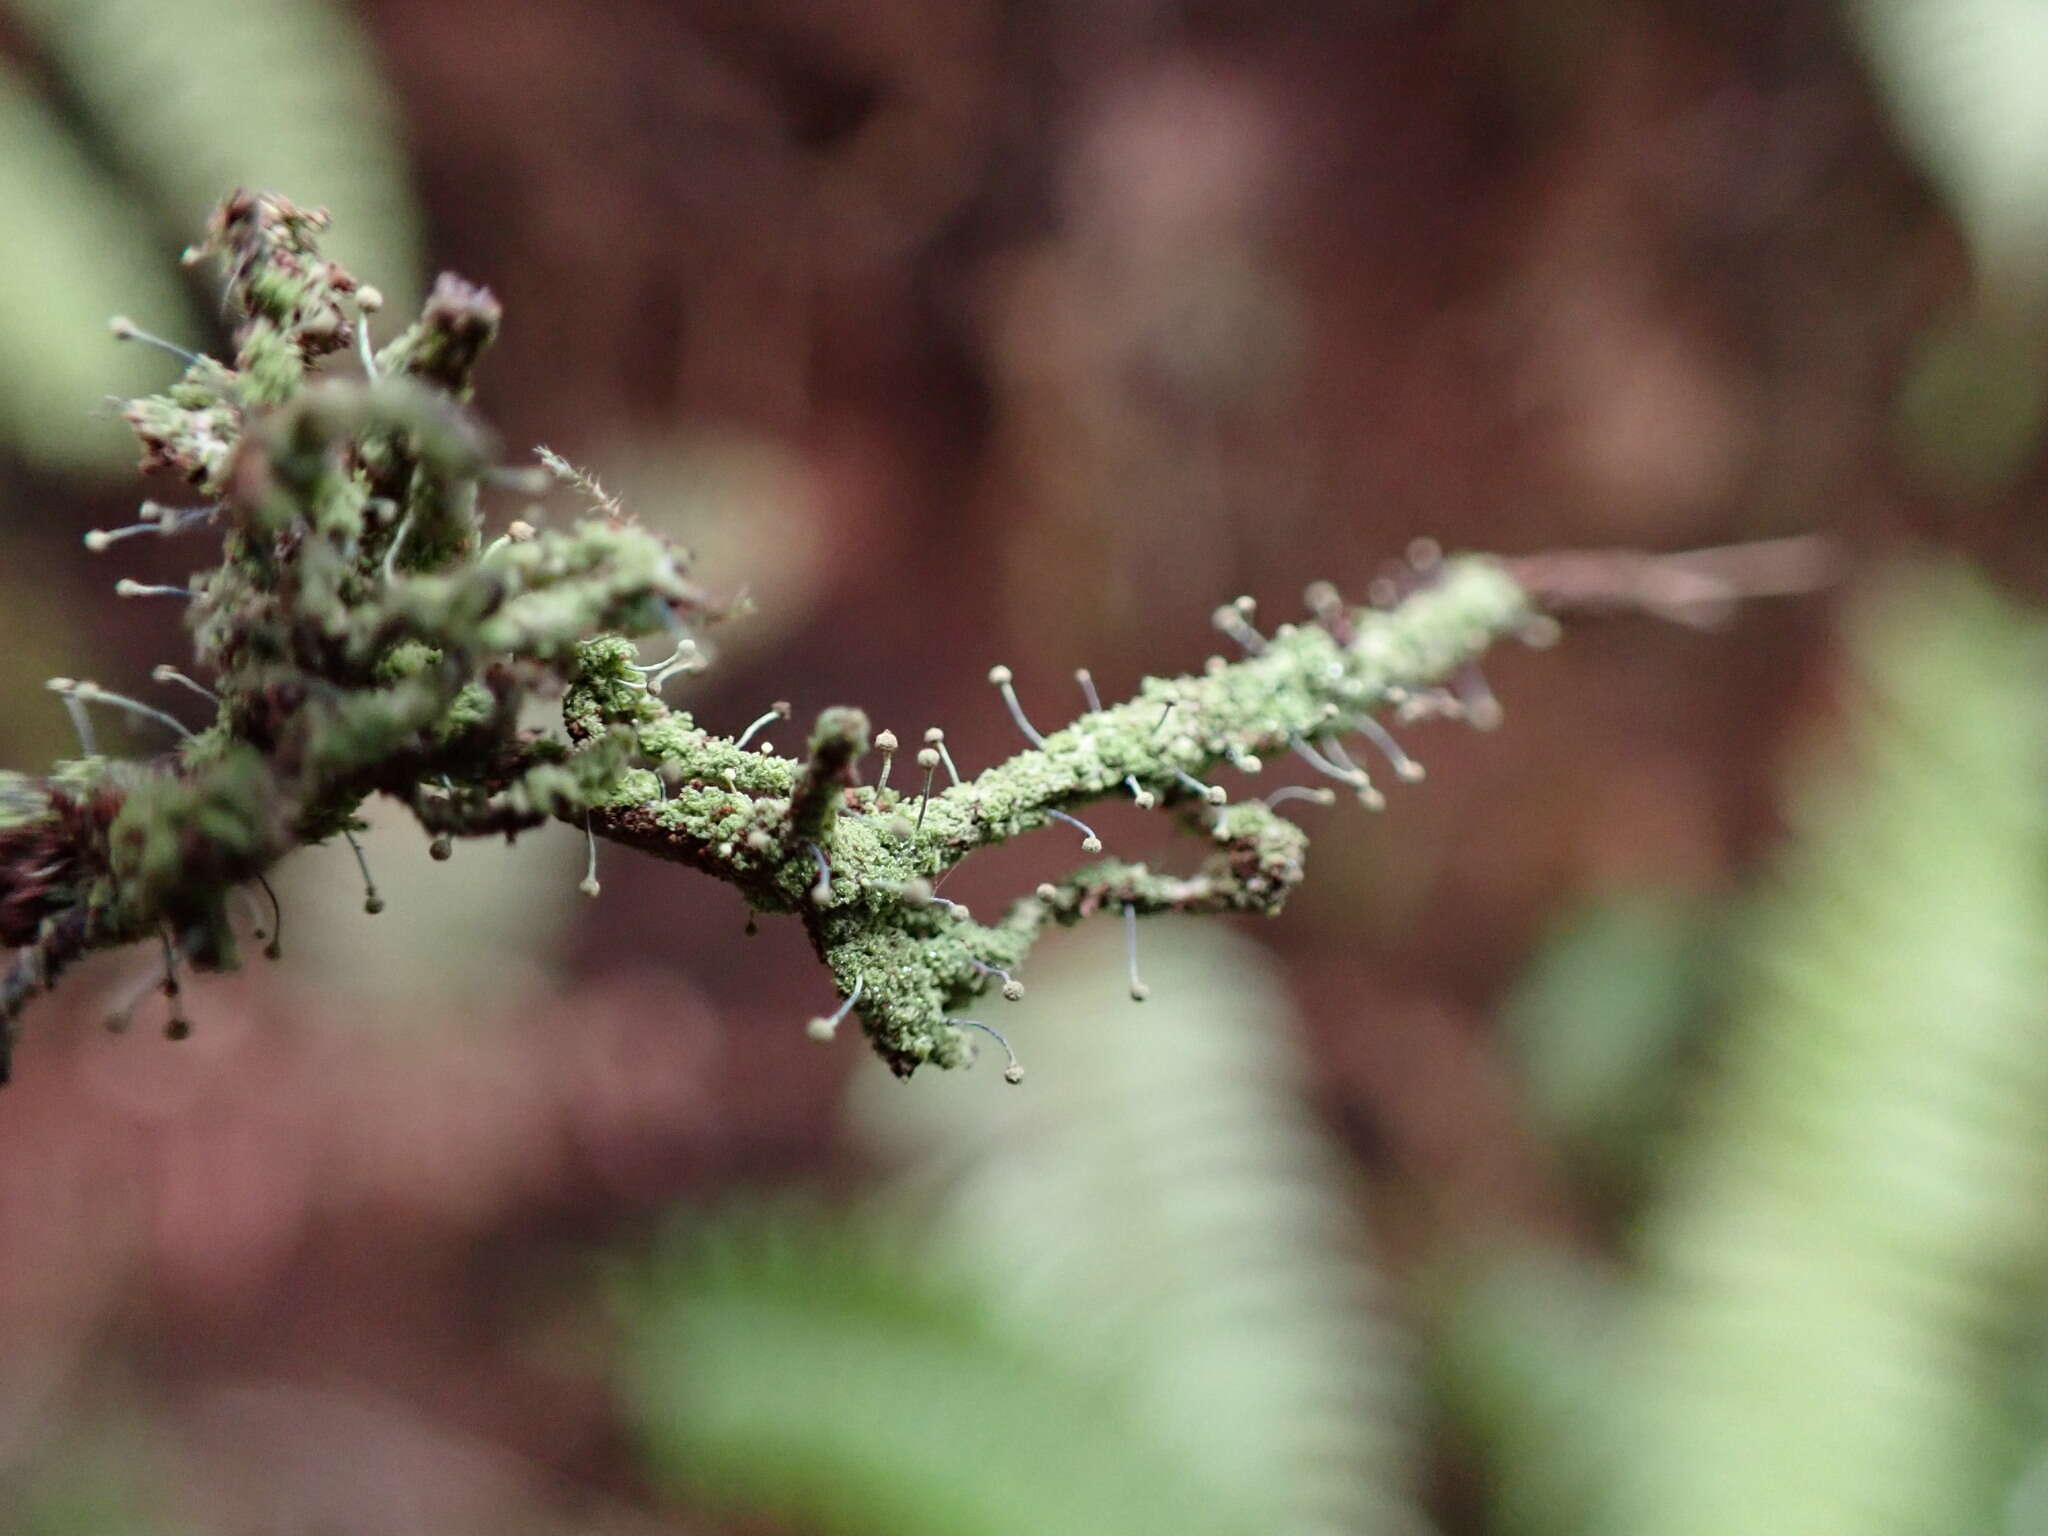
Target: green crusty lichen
366	634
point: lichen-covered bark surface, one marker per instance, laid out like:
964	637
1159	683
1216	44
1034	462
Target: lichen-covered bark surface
960	333
362	634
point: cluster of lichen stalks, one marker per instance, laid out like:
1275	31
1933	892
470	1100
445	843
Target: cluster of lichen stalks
361	635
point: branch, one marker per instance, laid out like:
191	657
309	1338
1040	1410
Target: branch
360	637
1699	588
858	864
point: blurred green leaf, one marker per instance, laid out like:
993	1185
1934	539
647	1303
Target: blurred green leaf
77	253
207	95
1971	403
1137	1303
822	1378
86	1487
1524	1364
1964	82
43	632
1853	1252
191	101
1157	1201
1600	1019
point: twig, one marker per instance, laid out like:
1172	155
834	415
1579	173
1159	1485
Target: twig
1700	588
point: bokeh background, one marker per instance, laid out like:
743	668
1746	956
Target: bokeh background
1641	1127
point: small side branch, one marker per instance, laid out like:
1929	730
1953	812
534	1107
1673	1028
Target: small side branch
1699	588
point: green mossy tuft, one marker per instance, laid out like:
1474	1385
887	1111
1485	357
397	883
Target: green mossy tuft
369	634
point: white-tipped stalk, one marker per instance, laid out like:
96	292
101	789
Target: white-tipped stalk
1014	1072
588	884
78	694
885	743
645	668
956	908
364	352
126	588
1348	773
928	760
1215	794
1141	797
169	674
397	544
1234	620
821	893
825	1026
1139	991
1430	704
504	541
98	539
1424	554
1087	681
1333	752
1000	676
1013	989
124	329
154	518
1369	795
1090	843
372	902
936	740
779	710
1481	707
81	723
1406	769
120	1013
1316	796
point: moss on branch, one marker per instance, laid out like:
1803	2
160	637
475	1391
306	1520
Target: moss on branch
364	636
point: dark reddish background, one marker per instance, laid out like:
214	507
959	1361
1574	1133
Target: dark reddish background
1070	320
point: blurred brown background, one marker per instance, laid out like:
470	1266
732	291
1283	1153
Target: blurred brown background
960	332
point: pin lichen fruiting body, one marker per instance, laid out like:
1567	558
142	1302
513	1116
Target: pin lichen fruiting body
361	636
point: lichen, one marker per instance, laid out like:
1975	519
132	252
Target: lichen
366	637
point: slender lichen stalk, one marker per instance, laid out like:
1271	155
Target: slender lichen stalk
761	822
361	637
